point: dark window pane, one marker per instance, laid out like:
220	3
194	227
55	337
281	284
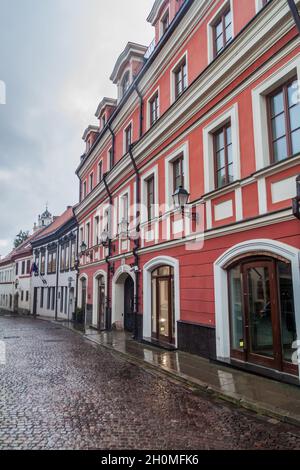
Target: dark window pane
220	159
229	153
280	149
293	93
296	142
221	177
220	140
295	117
277	104
278	126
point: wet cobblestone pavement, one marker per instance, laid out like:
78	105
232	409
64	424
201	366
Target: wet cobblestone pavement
59	391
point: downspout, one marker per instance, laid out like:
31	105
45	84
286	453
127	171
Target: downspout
112	162
107	259
295	13
136	243
77	271
57	274
141	109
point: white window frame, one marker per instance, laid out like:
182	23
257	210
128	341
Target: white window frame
97	215
152	172
172	75
231	114
184	150
98	166
91	177
120	88
258	5
157	91
126	192
108	158
259	107
211	25
167	9
130	123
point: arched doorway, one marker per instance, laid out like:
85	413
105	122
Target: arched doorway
161	300
162	294
257	301
101	300
262	313
123	292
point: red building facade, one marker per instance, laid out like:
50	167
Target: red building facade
210	111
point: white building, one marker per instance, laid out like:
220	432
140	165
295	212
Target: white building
53	287
6	284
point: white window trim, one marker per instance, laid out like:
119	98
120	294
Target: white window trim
172	75
147	271
184	149
259	107
90	186
94	228
167	9
210	28
130	123
221	285
128	69
258	5
98	178
120	205
231	114
148	123
152	172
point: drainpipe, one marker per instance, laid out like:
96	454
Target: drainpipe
108	313
57	274
112	162
136	243
77	272
295	13
141	109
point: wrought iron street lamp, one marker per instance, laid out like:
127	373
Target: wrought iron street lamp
105	238
180	198
83	248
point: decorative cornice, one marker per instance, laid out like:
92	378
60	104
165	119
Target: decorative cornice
132	49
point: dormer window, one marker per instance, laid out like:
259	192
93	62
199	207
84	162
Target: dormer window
125	83
165	22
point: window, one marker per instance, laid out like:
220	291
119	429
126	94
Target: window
96	230
125	208
100	171
28	267
42	297
62	258
23	267
284	121
222	32
103	119
150	197
91	181
110	158
180	77
22	295
27	296
84	190
223	156
43	256
165	21
178	176
17	268
73	254
67	254
88	235
125	83
128	138
154	109
52	262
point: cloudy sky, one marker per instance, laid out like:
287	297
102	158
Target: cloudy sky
56	57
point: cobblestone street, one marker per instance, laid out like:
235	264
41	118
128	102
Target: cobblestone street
59	391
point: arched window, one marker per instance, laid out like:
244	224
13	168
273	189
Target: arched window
125	83
262	313
162	290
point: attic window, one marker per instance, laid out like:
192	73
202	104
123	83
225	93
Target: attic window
165	22
125	83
